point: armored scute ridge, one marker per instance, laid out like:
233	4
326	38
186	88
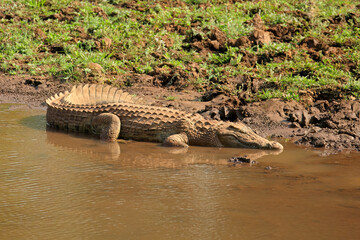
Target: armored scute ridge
112	113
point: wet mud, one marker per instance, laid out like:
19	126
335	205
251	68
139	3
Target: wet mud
330	125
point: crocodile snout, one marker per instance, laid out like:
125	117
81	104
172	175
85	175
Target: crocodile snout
275	145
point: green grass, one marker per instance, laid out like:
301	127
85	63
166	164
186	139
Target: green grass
152	34
170	98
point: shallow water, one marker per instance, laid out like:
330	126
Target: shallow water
64	186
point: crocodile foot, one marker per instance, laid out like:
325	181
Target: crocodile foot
177	140
107	125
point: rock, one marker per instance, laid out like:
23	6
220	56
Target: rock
58	16
299	132
316	119
168	41
311	42
268	168
39	33
211	113
100	12
242	42
219	36
319	143
82	32
206	114
295	125
305	118
315	129
231	42
350	116
314	111
198	45
57	49
215	114
322	105
261	37
300	116
97	45
258	22
337	116
214	44
242	160
315	44
95	68
96	74
219	99
329	124
355	107
106	42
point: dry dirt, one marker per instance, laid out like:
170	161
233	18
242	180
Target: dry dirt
332	126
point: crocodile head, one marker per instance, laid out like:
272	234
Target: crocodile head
240	136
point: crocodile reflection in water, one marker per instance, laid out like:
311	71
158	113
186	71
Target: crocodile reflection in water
142	154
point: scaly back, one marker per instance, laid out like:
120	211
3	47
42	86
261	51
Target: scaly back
95	95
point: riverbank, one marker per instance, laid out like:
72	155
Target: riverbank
287	69
331	126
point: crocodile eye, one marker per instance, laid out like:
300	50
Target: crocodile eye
239	129
231	128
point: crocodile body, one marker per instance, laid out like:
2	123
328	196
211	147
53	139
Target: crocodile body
113	113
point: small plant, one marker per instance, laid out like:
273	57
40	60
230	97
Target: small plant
170	98
223	58
269	93
195	1
36	3
144	69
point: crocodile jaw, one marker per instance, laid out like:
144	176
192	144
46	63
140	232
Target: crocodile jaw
240	136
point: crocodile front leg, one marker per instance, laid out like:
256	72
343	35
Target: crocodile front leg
177	140
107	125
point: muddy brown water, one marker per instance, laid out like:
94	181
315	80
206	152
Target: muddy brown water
63	186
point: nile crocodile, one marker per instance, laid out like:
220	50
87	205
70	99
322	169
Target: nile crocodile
113	114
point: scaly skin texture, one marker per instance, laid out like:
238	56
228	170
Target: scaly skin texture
115	114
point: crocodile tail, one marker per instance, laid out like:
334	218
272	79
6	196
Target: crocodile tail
56	98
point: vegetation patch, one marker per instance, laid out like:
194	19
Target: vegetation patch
253	50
